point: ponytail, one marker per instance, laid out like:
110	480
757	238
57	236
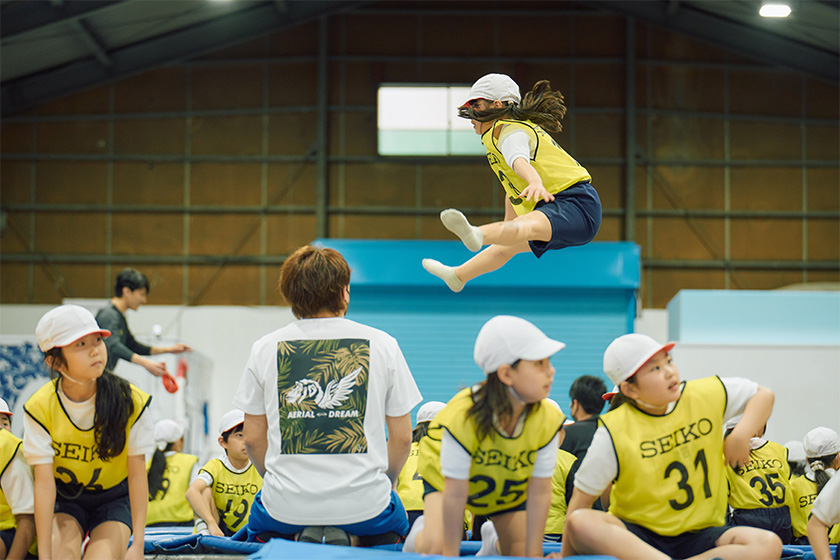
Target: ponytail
156	470
818	465
420	430
542	105
491	402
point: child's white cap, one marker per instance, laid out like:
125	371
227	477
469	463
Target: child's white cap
796	451
429	410
65	324
505	339
610	394
168	431
820	442
628	353
4	408
230	420
494	87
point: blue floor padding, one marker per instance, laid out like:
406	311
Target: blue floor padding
181	541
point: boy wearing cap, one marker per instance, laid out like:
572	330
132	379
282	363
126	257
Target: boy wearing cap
224	490
822	452
170	474
318	395
664	452
17	498
493	449
130	290
550	202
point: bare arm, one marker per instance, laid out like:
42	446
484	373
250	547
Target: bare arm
535	190
736	446
536	510
580	500
202	506
454	501
44	507
256	440
174	349
399	444
138	496
818	538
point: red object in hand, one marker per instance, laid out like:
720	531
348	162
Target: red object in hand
169	383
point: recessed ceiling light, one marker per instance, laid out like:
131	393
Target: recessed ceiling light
774	10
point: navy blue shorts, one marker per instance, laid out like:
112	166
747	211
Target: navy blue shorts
575	217
91	509
392	519
680	546
8	537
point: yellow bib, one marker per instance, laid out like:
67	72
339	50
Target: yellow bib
9	445
557	512
170	504
409	483
501	465
557	169
233	493
804	492
671	476
76	463
764	482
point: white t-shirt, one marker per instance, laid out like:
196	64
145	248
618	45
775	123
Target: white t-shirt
515	143
37	445
600	466
332	469
16	483
827	505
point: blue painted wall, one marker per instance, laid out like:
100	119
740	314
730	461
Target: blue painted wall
583	296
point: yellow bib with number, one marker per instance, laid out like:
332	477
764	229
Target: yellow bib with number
557	169
671	476
170	504
557	511
76	465
233	493
9	445
409	483
764	482
501	465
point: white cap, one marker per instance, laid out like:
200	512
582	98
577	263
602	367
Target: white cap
230	420
4	408
627	354
796	451
494	87
610	394
820	442
168	431
65	324
505	339
428	411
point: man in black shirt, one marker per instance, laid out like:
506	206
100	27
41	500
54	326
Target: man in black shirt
130	291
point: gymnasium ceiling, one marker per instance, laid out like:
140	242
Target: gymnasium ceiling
51	48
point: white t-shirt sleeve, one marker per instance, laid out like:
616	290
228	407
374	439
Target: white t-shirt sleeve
249	396
37	443
455	462
514	143
738	393
827	505
141	438
206	477
17	486
600	466
403	394
546	459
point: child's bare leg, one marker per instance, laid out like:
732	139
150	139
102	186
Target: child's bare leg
745	543
67	537
108	540
490	259
533	226
595	532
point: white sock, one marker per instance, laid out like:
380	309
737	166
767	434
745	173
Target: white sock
445	273
419	523
457	223
489	540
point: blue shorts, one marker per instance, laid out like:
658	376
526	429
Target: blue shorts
392	519
575	217
680	546
91	509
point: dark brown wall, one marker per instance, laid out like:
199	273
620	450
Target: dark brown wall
205	174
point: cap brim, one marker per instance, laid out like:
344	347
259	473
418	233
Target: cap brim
541	349
608	396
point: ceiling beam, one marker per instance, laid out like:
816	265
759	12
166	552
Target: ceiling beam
95	44
22	17
210	36
762	45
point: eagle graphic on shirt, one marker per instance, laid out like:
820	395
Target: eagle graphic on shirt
322	389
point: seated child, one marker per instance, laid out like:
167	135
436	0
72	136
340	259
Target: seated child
826	512
17	497
664	452
222	494
822	453
170	475
759	492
